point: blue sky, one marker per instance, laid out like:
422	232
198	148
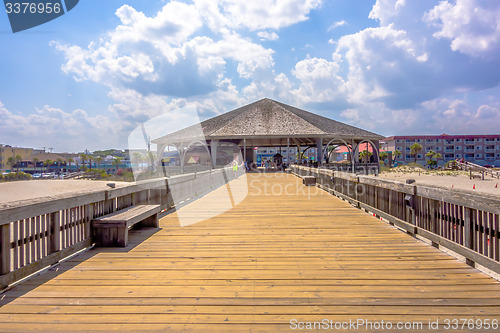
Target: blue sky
87	79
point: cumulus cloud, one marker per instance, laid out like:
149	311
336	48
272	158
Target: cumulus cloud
162	55
259	15
266	35
319	81
49	125
472	26
385	10
336	25
458	116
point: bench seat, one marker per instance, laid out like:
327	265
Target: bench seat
309	180
112	229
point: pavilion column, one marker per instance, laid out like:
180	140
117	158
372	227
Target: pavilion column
288	151
377	154
319	150
244	151
353	157
213	152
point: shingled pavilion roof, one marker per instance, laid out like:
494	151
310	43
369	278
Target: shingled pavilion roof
268	122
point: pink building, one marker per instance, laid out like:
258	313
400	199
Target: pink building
480	149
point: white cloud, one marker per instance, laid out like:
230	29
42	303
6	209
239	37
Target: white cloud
379	60
472	26
57	128
458	116
266	35
272	14
385	10
336	25
161	55
319	81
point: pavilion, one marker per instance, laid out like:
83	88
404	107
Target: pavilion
268	123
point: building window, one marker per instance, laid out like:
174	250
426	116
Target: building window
479	147
419	157
458	140
479	155
458	155
398	140
400	149
408	157
438	148
479	140
438	140
458	147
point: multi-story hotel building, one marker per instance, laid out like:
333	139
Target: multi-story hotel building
479	149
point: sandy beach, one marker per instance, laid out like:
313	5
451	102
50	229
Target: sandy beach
458	180
34	189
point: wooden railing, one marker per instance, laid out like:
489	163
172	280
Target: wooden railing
468	166
466	223
35	235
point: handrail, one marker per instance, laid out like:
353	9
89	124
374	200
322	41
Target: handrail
465	222
468	166
37	234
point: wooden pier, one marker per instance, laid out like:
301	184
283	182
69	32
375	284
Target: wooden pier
287	252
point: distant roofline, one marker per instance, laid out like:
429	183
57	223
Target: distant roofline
443	136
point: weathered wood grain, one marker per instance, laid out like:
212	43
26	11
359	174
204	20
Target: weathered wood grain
303	254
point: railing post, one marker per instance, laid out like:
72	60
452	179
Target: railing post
4	249
55	233
90	217
469	232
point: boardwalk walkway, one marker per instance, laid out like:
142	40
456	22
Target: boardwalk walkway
273	258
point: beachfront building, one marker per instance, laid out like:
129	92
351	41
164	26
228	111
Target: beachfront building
479	149
7	151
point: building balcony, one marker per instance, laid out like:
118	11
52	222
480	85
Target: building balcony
489	150
469	150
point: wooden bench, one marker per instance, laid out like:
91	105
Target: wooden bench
112	229
309	180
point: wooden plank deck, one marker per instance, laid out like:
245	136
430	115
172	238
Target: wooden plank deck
277	256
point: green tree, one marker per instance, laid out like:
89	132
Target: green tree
432	154
365	155
11	161
117	161
383	155
415	149
83	158
70	161
396	154
35	161
98	160
18	159
48	163
59	162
